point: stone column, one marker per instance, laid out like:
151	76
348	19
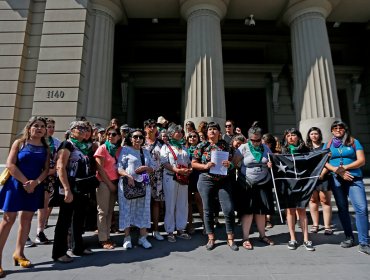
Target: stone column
100	67
204	81
315	93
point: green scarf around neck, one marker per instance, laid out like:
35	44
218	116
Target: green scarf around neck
112	148
177	143
51	144
83	147
257	152
293	149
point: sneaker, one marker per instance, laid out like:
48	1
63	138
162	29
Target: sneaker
348	242
144	242
308	245
364	249
127	243
157	236
41	238
292	245
29	243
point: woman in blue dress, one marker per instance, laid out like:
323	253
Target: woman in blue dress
28	163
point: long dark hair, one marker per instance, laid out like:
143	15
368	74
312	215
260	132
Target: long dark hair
295	131
308	139
128	141
269	139
117	130
348	140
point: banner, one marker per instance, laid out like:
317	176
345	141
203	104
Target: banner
295	176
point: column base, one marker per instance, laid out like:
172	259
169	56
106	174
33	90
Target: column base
323	123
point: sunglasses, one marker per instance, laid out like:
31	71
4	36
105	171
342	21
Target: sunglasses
81	128
141	137
113	134
255	141
228	125
192	136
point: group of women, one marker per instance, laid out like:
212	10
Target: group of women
174	168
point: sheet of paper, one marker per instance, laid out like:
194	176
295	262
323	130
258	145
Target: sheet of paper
218	157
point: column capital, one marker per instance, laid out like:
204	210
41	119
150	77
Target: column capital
111	7
299	8
189	6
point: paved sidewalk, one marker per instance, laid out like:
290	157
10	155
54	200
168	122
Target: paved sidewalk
188	259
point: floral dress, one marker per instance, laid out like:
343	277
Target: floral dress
156	178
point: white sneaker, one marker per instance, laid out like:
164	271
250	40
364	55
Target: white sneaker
144	242
127	243
158	236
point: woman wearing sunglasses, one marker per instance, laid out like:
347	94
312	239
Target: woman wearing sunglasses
175	160
136	164
347	181
106	162
254	193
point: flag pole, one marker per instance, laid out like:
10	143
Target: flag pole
277	199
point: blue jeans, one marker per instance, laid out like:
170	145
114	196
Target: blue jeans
356	192
209	189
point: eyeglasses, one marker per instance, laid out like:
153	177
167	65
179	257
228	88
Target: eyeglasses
192	136
113	134
255	140
228	125
141	137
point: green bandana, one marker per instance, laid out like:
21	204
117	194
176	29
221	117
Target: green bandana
112	148
51	144
83	147
177	143
293	149
257	152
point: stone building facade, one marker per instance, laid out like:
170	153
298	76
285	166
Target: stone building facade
284	62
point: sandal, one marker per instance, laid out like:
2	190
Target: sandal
171	238
314	229
183	235
247	245
106	245
266	240
211	244
328	231
269	224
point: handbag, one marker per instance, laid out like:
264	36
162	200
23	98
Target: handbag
136	191
86	185
181	179
4	176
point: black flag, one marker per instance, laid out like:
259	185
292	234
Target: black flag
295	176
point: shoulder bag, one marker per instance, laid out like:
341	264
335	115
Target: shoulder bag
136	191
181	179
4	176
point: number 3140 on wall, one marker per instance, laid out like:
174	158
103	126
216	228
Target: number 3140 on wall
55	94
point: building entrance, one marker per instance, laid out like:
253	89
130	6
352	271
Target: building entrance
245	106
155	102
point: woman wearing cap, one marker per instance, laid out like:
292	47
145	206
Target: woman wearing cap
347	181
73	161
254	201
106	157
23	192
211	185
135	163
175	160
